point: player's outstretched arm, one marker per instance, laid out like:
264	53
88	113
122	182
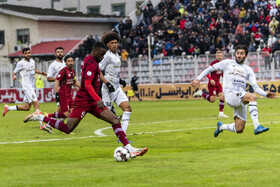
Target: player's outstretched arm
40	72
271	95
195	83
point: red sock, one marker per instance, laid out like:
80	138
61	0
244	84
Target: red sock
120	134
57	124
222	105
56	115
206	96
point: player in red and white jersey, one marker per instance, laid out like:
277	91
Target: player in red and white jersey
214	86
87	101
65	79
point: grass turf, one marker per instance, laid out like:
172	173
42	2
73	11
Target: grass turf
182	149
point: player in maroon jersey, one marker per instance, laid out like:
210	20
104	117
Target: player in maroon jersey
87	101
214	86
65	79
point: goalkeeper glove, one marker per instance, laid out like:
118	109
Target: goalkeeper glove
110	87
122	82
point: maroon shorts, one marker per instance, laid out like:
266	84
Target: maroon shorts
82	107
214	90
66	103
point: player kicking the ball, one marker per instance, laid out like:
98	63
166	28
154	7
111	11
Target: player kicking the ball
236	75
214	86
87	101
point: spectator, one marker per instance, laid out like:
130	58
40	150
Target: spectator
124	54
271	40
138	14
273	25
266	55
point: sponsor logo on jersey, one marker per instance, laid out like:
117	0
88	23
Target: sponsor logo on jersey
89	73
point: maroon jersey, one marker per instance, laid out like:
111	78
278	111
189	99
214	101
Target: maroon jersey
90	71
66	77
215	75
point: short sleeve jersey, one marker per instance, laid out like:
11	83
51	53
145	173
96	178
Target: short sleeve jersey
54	68
235	75
66	77
111	64
90	71
27	73
215	75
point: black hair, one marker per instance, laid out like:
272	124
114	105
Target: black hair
244	47
68	56
109	36
99	45
25	49
58	48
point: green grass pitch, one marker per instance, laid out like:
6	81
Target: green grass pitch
182	149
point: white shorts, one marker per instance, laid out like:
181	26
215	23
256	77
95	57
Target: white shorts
117	96
233	99
29	96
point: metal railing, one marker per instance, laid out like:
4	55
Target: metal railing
164	70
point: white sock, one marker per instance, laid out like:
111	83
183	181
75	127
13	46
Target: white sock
229	127
125	120
253	110
129	147
12	108
41	117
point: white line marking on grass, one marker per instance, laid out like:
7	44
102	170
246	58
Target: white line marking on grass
103	135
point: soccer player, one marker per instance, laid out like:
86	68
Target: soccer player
63	86
236	75
111	90
55	67
134	85
27	70
214	86
87	101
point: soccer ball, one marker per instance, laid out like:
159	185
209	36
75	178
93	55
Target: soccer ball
121	154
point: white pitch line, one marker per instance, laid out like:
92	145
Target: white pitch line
103	135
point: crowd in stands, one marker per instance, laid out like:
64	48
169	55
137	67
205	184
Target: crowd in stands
85	47
198	26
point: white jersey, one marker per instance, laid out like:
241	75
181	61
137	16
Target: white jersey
54	68
27	73
235	76
111	63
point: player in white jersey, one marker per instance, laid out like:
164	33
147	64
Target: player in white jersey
26	68
55	67
111	90
236	75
